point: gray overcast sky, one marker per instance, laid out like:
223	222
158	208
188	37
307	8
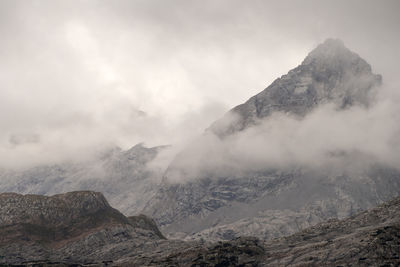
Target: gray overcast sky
81	74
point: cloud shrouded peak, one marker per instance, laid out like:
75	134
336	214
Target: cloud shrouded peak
316	115
330	73
75	73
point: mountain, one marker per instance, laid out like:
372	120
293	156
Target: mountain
82	229
123	177
330	73
202	198
72	227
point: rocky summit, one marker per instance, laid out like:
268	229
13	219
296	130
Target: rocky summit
330	73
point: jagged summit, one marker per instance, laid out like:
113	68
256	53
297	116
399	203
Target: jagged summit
329	49
330	73
332	55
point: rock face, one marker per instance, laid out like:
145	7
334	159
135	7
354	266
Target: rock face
370	238
274	202
122	176
72	227
144	222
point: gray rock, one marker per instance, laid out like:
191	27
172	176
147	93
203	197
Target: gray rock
369	238
330	73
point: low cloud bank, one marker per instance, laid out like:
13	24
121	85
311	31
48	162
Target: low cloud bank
348	139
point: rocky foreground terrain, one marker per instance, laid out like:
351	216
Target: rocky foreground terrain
370	238
73	227
81	229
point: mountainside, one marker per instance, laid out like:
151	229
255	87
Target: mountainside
371	238
281	204
122	176
72	227
269	202
81	229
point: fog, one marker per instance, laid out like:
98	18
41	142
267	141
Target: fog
77	77
349	140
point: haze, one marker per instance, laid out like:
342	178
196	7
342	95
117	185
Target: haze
78	76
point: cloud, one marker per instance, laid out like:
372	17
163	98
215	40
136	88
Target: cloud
76	73
328	138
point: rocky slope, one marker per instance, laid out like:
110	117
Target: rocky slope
122	176
275	201
84	238
73	227
370	238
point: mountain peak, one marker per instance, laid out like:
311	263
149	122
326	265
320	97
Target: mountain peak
331	45
331	73
334	55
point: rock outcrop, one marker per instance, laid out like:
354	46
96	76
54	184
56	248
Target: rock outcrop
73	227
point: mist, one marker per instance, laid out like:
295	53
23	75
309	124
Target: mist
349	140
77	77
